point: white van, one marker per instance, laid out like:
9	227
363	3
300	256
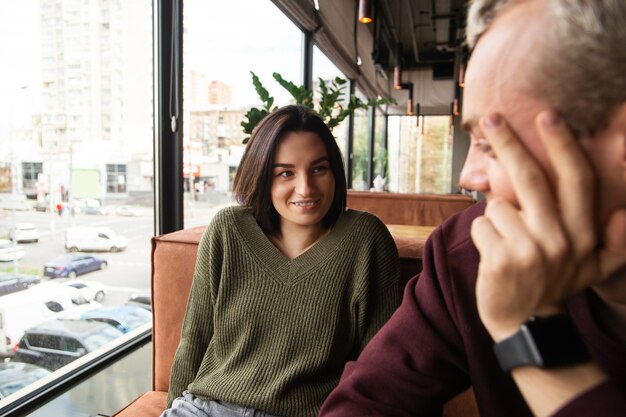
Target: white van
94	239
47	300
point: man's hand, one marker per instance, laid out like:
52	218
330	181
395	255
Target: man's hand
536	255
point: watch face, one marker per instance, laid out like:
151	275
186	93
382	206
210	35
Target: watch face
557	341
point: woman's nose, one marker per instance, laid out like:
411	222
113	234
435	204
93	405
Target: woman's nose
473	175
303	185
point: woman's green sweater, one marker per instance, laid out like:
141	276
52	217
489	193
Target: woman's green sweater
271	333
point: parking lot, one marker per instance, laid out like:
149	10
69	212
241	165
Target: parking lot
128	271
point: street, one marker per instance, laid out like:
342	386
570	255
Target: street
128	271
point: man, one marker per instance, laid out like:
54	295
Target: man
524	299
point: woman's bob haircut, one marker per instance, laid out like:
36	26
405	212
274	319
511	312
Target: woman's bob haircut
253	180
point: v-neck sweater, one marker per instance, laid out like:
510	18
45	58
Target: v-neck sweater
272	333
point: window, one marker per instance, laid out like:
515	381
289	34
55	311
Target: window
421	149
41	341
381	162
54	306
30	176
66	144
360	147
116	178
217	95
70	345
326	70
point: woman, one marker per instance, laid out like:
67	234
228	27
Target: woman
288	286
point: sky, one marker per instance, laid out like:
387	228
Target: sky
20	69
242	36
224	40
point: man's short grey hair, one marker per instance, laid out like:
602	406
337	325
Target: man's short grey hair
581	67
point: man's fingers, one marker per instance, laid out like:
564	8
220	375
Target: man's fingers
527	178
507	222
484	235
574	179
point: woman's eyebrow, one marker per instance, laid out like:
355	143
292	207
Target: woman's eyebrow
279	165
317	161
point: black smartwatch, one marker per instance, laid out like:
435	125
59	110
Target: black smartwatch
543	342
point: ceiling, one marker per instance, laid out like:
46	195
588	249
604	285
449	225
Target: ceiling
429	31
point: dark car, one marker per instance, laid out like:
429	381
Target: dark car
73	265
16	375
10	283
142	300
56	343
124	318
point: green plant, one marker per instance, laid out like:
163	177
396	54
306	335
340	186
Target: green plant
329	107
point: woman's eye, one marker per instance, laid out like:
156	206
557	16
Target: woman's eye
285	174
320	169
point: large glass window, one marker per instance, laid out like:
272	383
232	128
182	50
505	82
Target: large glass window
76	152
323	68
420	150
222	45
30	176
360	146
381	165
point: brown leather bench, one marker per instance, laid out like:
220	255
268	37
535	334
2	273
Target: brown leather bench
413	209
173	261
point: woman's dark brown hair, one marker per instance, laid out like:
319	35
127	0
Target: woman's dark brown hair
253	180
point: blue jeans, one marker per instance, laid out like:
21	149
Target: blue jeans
190	406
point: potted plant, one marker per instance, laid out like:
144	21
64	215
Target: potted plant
329	107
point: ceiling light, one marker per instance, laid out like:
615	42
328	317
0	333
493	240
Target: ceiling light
365	15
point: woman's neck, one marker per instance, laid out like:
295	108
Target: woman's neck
294	241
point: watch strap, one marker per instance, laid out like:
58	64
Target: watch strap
518	350
544	342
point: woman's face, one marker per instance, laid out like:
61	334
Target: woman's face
303	184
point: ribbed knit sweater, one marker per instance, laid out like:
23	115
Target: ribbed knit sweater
271	333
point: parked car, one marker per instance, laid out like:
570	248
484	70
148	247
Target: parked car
10	283
37	304
100	211
42	206
94	239
124	318
128	211
91	290
143	300
9	251
58	342
70	266
24	232
88	206
16	375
